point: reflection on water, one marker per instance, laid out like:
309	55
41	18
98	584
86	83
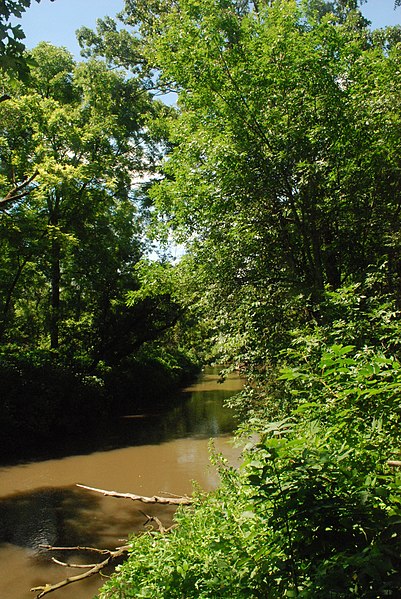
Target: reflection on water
197	411
156	454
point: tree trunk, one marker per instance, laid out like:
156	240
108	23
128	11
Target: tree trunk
7	303
55	295
55	276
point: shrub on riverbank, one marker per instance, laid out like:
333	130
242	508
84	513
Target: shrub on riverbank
315	511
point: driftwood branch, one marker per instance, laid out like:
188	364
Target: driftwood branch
18	192
93	568
181	500
71	565
109	555
158	522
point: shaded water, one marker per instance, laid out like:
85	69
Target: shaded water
158	454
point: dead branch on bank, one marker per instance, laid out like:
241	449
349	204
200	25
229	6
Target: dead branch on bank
110	555
180	500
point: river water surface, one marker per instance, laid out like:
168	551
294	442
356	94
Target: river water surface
159	454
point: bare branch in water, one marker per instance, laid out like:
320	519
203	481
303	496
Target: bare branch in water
155	499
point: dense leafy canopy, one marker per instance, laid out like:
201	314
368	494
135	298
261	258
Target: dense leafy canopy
75	146
282	178
279	169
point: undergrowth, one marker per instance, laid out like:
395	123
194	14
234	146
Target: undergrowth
314	512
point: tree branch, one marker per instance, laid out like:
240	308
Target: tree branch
70	565
19	191
183	500
94	568
158	522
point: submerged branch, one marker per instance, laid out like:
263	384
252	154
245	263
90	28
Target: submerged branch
109	555
93	568
155	499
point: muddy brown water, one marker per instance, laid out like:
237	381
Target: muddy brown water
40	503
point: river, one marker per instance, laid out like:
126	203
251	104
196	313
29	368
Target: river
157	454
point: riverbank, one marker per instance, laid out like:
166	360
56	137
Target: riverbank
48	406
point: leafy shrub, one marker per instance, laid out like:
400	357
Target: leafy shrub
315	511
213	552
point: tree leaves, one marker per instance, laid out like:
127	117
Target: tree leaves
11	48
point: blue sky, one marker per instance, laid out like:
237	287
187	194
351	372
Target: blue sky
56	22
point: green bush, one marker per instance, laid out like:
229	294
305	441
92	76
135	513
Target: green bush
315	511
211	553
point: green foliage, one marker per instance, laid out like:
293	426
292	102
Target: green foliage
211	553
333	509
324	469
314	511
282	170
76	234
74	139
282	177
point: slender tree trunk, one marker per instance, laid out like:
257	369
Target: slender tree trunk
7	303
10	292
55	295
55	276
332	256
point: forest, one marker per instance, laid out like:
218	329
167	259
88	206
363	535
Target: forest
278	169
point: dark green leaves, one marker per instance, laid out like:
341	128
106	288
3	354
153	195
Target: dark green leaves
11	47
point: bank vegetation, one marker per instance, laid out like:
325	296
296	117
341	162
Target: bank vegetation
279	169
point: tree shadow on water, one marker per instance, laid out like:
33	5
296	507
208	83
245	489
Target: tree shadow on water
57	517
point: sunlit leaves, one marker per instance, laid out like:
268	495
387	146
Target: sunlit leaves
82	128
